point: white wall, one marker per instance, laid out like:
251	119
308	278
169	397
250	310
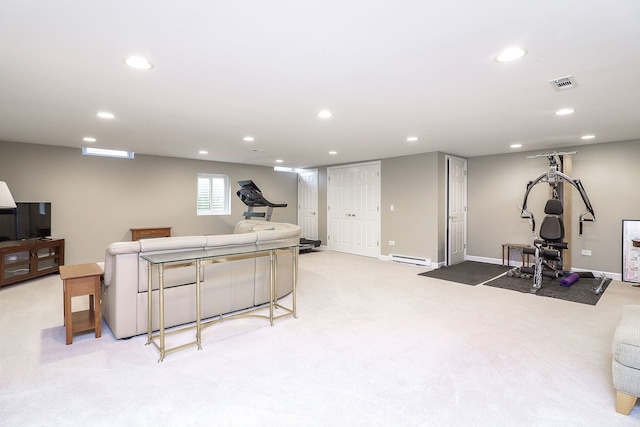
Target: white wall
96	200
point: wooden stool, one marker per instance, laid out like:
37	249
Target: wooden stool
79	280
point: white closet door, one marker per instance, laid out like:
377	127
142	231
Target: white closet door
353	209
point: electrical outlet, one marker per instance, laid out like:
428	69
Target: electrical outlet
392	242
586	252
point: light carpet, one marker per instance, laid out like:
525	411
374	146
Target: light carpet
375	345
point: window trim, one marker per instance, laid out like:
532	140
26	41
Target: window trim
225	209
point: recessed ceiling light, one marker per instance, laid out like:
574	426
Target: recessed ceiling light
138	62
203	152
516	146
248	139
89	139
105	115
588	137
279	161
333	153
412	139
511	54
325	114
564	111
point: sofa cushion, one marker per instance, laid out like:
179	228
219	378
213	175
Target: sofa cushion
172	276
230	239
626	342
172	243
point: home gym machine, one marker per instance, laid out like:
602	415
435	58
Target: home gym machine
548	244
251	196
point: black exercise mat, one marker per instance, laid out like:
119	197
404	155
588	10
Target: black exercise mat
467	272
581	291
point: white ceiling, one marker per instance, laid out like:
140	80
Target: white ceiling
386	69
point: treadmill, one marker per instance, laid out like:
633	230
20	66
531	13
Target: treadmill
251	196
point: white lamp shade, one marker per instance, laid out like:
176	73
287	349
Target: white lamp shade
6	199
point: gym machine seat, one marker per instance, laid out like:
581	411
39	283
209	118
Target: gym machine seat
547	249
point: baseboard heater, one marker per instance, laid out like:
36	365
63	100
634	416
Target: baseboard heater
403	259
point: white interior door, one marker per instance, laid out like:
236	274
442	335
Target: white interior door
308	204
456	210
353	209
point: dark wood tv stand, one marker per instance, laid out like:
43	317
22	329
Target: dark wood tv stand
27	259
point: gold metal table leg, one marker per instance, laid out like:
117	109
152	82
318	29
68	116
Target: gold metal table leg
161	303
272	281
149	304
198	307
294	254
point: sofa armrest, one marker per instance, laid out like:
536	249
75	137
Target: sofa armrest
117	248
119	294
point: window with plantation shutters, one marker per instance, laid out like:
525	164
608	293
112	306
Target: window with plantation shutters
213	194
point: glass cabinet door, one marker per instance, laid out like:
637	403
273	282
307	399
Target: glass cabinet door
48	258
16	264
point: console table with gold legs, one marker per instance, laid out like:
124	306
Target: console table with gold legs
200	258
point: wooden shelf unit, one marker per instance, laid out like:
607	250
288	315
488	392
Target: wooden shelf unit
27	259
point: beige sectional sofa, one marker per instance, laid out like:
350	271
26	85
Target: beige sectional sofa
226	287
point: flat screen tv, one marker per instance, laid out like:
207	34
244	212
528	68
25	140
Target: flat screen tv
28	220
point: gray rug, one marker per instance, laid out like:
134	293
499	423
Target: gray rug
467	272
581	291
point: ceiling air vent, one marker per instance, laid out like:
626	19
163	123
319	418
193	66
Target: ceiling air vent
563	83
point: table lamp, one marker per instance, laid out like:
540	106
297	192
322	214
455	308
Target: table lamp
6	199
